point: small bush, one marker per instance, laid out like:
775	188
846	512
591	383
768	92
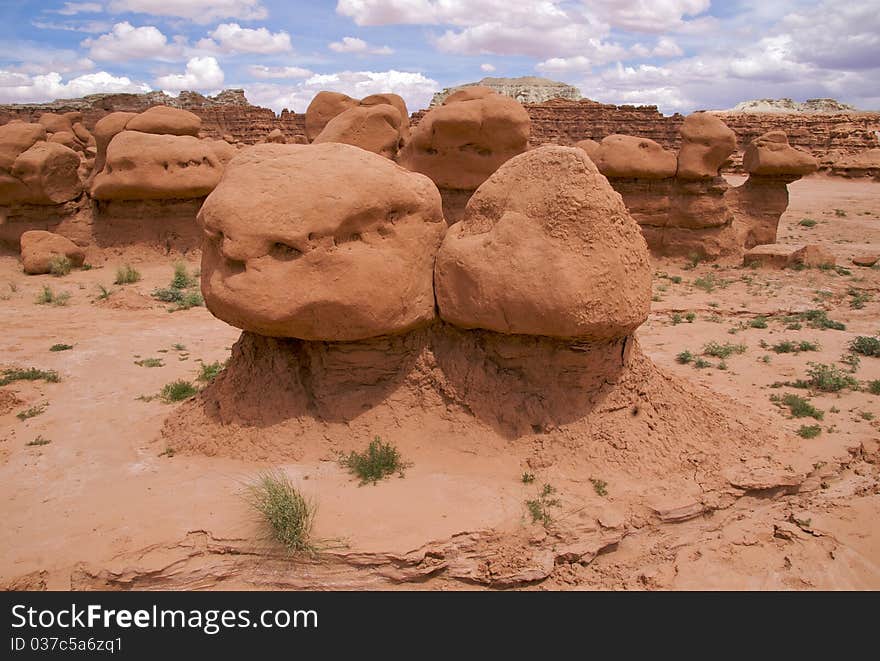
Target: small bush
377	462
798	406
104	293
211	370
857	298
527	478
177	391
150	362
539	507
808	222
39	440
32	412
788	346
126	275
866	346
709	283
60	265
49	297
29	374
700	363
758	322
684	357
723	351
599	486
873	386
809	431
61	347
829	378
190	299
179	291
819	319
690	316
182	279
840	213
288	514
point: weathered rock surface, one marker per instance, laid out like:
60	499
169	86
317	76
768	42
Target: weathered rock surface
163	120
772	156
461	143
39	248
146	166
778	255
546	247
375	128
352	259
866	259
626	156
706	143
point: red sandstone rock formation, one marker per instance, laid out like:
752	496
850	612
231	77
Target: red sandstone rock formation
462	142
376	128
39	248
545	247
35	171
320	242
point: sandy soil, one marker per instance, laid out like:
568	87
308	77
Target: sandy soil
103	506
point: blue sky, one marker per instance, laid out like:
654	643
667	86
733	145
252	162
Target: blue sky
682	55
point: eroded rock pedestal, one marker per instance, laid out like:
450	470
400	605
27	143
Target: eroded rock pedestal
684	205
538	290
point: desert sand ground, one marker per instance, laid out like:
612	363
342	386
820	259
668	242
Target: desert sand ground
104	506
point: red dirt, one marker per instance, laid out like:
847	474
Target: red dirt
708	486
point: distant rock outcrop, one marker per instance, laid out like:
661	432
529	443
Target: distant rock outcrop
830	106
528	89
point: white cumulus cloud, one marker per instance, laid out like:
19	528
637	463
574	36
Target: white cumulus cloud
127	42
488	68
202	73
232	38
358	47
21	88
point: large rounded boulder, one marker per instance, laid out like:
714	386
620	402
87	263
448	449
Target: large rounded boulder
462	142
320	242
39	248
706	143
627	156
163	120
770	155
145	166
375	128
546	247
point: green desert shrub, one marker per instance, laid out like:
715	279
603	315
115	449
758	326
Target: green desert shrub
378	461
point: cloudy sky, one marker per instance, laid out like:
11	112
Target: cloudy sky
682	55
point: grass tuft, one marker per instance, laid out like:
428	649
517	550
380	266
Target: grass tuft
798	406
32	412
60	265
39	440
723	351
809	431
210	371
126	275
286	512
29	374
49	297
61	347
177	391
